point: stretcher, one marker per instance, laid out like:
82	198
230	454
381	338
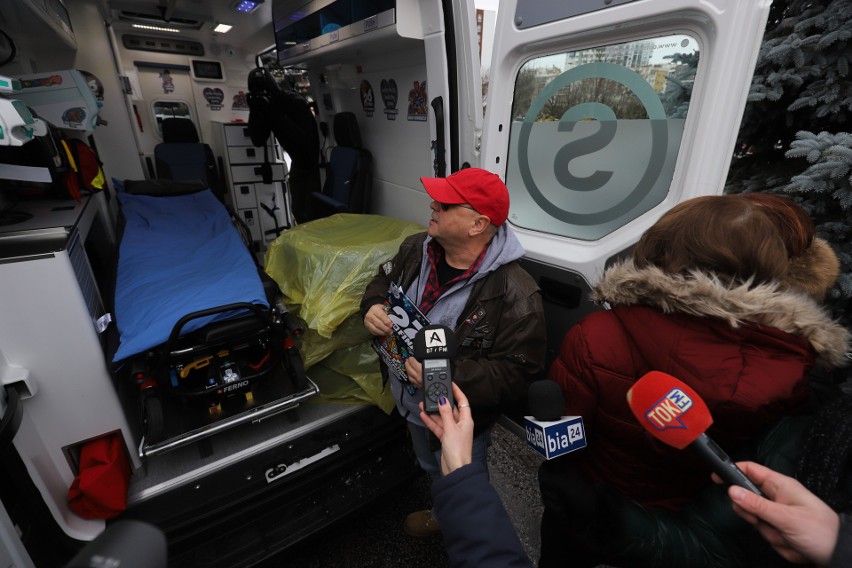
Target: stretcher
202	332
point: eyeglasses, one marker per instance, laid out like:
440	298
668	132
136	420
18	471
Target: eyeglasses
445	206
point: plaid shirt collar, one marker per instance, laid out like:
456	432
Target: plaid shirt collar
433	290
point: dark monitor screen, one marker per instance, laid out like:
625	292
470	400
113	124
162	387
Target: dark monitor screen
207	69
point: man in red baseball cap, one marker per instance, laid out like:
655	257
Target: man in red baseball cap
463	272
483	191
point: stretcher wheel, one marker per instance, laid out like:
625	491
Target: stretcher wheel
152	418
297	369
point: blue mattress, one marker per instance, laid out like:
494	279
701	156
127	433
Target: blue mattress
178	255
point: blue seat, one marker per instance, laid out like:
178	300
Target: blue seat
182	157
348	180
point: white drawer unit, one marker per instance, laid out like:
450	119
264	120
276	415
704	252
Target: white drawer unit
251	173
262	206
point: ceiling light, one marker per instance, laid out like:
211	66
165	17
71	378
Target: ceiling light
247	6
155	28
222	28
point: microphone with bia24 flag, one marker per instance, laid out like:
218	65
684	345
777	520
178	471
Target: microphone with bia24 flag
434	346
672	412
548	432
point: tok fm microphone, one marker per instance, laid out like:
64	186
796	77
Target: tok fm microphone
434	346
549	432
672	412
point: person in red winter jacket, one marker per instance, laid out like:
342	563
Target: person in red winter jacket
724	293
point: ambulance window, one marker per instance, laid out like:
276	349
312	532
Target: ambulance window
595	134
169	109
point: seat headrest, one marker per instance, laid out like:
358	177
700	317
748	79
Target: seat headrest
346	131
179	130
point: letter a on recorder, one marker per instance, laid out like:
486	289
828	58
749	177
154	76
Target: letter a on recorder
435	338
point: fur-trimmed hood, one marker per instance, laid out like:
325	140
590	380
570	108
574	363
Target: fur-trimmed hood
702	294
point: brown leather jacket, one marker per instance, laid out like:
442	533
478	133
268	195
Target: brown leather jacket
498	355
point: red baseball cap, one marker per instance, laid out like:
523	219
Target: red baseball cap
481	189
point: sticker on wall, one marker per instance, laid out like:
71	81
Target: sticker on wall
95	85
168	82
368	100
418	108
214	97
74	117
41	82
240	101
390	94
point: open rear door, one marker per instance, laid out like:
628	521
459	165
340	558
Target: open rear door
602	115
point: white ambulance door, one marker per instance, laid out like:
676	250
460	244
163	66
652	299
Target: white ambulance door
166	92
602	115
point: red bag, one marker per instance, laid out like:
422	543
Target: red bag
85	171
99	491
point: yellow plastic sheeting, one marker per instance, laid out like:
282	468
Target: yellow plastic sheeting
325	265
360	364
314	348
335	387
349	354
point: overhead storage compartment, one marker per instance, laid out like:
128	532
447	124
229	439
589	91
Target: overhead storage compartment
21	17
322	28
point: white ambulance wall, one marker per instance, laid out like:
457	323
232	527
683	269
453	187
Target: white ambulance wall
236	63
400	147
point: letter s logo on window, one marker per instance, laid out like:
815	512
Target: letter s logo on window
579	120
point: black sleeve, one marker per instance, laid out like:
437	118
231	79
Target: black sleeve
842	556
475	526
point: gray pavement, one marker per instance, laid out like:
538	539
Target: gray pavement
374	538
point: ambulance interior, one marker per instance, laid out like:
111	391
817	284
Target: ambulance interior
212	402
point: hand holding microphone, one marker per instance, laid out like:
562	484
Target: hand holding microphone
797	523
671	411
454	428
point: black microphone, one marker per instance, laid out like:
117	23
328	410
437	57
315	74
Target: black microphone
672	412
129	543
549	432
545	400
434	346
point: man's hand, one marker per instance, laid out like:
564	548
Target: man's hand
454	427
798	525
377	321
414	370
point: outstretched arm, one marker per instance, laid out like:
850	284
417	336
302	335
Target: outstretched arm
476	529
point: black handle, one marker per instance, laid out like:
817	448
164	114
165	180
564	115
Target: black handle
722	465
152	172
12	418
440	163
258	310
559	293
